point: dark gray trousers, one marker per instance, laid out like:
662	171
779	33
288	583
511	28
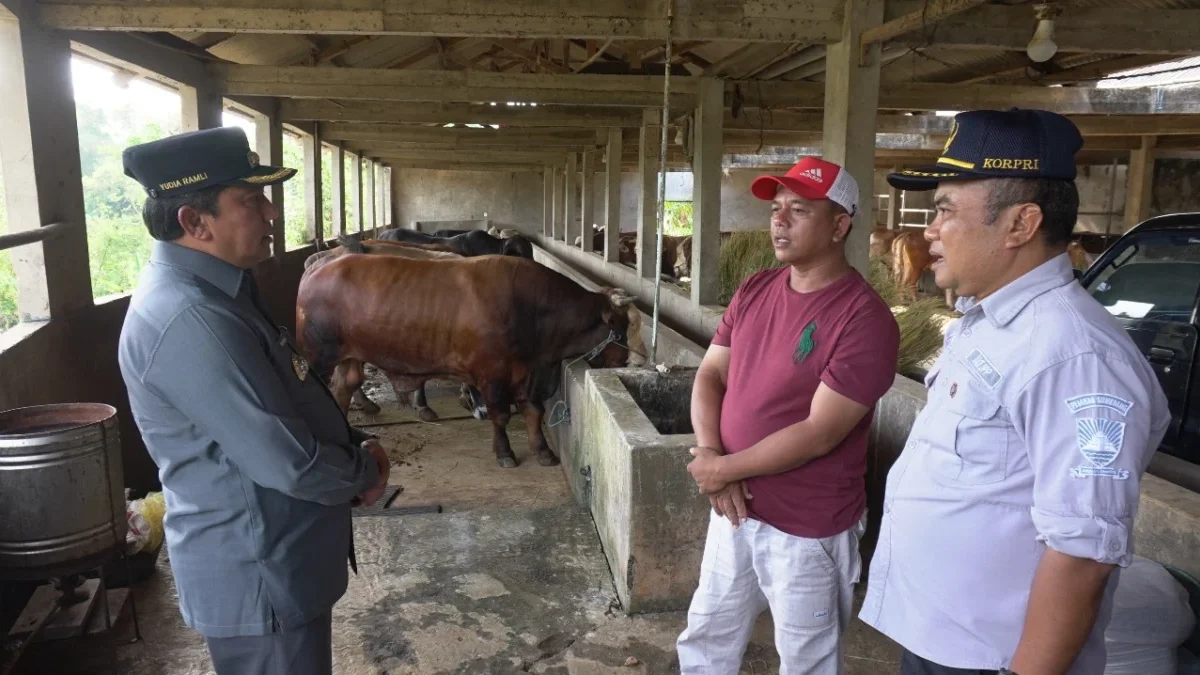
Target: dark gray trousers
911	664
307	650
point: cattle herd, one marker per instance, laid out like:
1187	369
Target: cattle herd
458	305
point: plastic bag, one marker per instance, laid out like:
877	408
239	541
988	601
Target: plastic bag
145	519
1151	618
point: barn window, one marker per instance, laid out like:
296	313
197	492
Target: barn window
327	157
350	166
115	108
295	212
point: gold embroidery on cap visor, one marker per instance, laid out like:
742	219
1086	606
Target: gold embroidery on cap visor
271	177
928	174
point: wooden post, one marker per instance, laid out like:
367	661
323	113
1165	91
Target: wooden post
200	108
894	201
356	191
548	201
369	195
337	175
612	194
558	220
648	160
39	145
312	187
587	199
851	105
1140	190
569	209
706	199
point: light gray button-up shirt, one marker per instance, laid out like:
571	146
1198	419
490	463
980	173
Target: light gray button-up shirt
258	464
1041	417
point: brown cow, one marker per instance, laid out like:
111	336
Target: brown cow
1080	258
881	243
910	258
469	397
499	323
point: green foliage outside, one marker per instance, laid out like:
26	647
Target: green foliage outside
8	278
295	211
678	219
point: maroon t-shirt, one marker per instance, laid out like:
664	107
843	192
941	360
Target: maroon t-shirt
783	344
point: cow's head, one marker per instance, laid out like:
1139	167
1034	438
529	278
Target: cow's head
624	321
518	246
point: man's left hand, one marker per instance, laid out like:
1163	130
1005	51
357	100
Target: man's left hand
706	470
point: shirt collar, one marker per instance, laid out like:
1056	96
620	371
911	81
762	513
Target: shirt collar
1005	304
229	278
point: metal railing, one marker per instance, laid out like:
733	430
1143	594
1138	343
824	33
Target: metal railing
33	236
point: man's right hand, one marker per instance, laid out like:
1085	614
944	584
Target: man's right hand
730	502
385	466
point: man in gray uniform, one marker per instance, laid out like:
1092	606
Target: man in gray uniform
258	464
1010	511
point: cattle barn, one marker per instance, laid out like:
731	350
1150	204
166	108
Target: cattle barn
514	230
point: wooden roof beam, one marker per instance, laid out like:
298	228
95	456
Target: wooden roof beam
646	91
458	113
932	12
739	20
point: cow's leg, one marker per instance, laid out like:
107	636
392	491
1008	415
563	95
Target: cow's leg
421	405
533	412
472	401
499	407
407	388
346	381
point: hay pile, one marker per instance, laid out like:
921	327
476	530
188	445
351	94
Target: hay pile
743	254
920	330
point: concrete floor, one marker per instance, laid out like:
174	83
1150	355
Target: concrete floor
509	578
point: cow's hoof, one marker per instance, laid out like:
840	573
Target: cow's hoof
479	414
427	415
547	459
507	462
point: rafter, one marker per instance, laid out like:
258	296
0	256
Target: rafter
740	20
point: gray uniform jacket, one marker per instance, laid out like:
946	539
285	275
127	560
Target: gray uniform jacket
257	461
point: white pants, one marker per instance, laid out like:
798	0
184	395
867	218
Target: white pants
808	584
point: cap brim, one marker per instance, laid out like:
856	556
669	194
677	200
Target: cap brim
928	178
765	187
263	175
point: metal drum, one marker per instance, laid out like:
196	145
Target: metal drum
62	501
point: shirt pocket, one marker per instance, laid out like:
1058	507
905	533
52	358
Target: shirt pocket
981	439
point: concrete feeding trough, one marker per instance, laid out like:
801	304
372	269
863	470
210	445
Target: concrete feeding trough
624	449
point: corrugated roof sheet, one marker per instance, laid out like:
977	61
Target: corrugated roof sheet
1183	71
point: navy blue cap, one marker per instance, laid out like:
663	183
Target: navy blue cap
1014	143
196	160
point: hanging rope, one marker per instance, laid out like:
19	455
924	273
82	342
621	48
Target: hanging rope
662	181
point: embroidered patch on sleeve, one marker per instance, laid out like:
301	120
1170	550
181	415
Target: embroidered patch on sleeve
1099	441
983	368
1088	401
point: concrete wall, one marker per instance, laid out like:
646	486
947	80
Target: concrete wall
510	199
1176	186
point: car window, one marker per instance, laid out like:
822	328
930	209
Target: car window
1152	277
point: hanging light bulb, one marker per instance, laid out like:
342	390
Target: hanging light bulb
1042	48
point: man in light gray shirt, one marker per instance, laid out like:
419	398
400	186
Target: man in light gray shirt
1010	511
259	466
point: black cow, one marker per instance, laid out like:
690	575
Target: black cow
470	243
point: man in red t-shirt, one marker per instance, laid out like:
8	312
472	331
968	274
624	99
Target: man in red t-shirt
781	407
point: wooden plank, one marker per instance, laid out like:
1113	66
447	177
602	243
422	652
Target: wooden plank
335	131
458	113
814	21
933	12
646	91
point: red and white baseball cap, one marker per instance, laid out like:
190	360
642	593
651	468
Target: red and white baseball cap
812	178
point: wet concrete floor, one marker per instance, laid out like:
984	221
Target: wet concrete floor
509	578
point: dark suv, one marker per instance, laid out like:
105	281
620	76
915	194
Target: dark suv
1149	279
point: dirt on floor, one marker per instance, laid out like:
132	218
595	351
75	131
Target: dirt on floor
508	578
